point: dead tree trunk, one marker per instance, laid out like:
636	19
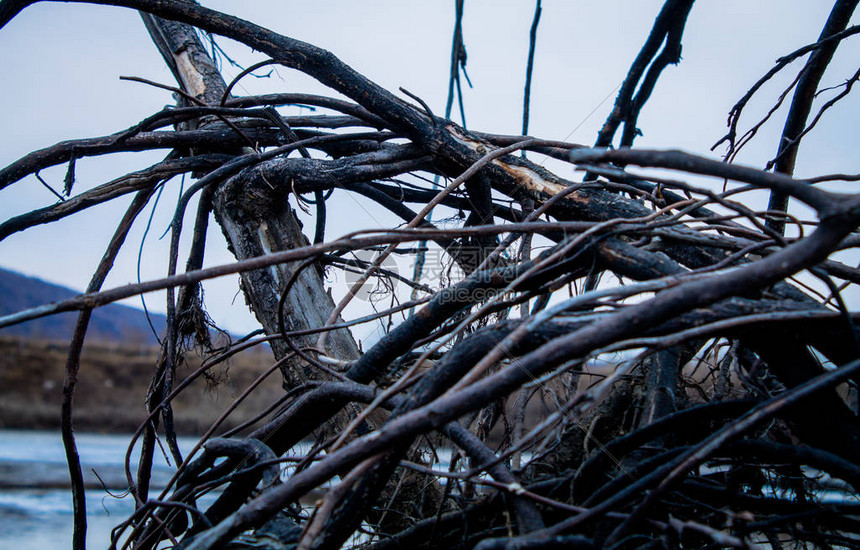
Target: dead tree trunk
254	222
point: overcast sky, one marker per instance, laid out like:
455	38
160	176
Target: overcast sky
61	64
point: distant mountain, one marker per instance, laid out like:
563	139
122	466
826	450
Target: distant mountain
111	323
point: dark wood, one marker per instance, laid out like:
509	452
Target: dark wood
724	347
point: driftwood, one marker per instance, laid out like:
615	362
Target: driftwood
725	410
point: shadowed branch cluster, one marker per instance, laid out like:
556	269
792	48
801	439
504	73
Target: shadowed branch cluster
619	359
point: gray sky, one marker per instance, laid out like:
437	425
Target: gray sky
61	64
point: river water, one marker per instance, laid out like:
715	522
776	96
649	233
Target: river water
35	503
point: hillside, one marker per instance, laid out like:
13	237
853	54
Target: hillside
112	323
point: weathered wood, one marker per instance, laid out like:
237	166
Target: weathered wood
623	414
253	227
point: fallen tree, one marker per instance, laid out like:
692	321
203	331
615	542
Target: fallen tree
728	399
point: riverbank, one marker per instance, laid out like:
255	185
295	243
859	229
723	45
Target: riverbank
113	383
